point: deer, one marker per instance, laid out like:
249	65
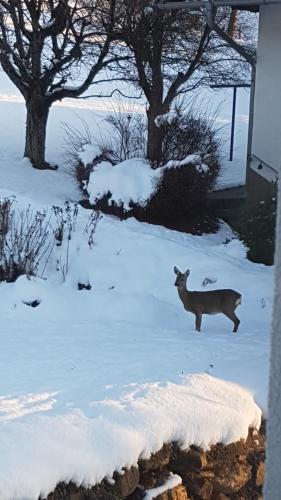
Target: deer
223	301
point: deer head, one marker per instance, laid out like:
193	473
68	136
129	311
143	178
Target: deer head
181	277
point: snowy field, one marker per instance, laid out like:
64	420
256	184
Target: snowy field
91	380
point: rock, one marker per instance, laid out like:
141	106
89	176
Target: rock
207	474
100	492
62	491
219	496
259	480
84	286
32	303
153	479
157	460
232	479
72	492
186	461
177	493
234	471
125	483
137	495
79	495
148	480
199	486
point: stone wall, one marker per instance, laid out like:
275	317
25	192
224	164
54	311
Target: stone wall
235	471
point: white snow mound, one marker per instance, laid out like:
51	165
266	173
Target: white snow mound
194	160
165	119
89	152
131	180
42	450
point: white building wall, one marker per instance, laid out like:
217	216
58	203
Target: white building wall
272	487
266	144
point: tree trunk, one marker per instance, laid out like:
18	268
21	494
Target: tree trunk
155	137
232	23
36	126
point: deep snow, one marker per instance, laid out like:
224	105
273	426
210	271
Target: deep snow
91	380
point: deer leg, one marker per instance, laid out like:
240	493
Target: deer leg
198	321
236	324
231	315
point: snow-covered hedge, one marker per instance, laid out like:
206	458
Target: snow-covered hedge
173	195
187	131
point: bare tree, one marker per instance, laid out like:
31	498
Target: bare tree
174	52
53	49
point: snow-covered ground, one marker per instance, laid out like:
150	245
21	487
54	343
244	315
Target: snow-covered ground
91	380
232	174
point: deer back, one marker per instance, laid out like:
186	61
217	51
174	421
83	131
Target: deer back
211	302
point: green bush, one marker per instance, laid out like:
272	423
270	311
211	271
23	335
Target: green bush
257	230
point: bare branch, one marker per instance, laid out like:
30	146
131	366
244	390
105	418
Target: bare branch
111	94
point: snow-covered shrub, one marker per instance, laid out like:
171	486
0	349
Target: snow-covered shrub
91	227
131	182
180	200
79	151
75	140
173	195
66	218
24	240
123	137
32	240
187	132
126	138
257	230
64	229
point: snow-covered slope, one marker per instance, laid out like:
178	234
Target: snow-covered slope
92	379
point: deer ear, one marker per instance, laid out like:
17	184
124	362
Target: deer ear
176	271
187	273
